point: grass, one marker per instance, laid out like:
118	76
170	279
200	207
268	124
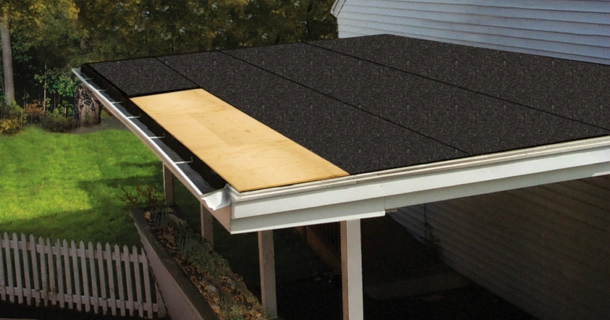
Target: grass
66	185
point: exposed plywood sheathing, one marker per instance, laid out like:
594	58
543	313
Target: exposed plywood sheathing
246	153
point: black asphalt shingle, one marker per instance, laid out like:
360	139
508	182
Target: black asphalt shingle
466	120
354	140
139	77
573	89
380	102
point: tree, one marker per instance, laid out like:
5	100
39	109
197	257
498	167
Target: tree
7	59
25	10
54	48
128	29
44	39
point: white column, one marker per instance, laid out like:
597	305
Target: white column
266	261
351	270
207	225
168	186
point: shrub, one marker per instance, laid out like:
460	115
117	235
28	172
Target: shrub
10	118
9	126
10	111
143	196
57	122
105	114
209	272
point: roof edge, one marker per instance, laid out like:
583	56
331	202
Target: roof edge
372	194
519	155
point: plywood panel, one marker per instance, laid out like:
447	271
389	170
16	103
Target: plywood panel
246	153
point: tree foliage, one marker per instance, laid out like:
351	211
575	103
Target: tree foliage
117	29
49	37
13	12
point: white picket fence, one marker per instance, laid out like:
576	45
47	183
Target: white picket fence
104	280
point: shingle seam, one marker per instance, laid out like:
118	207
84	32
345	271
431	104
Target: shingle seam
178	72
463	88
349	104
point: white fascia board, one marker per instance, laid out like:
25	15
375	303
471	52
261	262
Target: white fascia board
368	195
309	216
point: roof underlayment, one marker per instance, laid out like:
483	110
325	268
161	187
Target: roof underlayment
324	131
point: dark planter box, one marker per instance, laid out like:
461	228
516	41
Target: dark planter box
181	297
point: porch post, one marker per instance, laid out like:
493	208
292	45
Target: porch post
351	270
207	226
168	186
266	261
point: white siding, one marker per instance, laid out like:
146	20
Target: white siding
545	249
576	30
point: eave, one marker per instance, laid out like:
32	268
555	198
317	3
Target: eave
372	194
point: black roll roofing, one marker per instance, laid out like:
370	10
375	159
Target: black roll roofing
380	102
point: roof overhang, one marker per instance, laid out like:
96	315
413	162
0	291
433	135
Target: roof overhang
372	194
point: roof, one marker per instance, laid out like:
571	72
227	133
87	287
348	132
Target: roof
366	108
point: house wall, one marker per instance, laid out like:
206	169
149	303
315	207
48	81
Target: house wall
545	249
576	30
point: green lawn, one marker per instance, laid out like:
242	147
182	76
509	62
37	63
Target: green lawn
66	185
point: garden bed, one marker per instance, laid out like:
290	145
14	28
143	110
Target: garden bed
195	282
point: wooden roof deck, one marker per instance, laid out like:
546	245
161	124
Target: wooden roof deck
246	153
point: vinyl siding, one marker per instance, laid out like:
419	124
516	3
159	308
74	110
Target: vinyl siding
576	30
545	249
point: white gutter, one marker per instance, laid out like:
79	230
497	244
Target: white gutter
372	194
191	179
